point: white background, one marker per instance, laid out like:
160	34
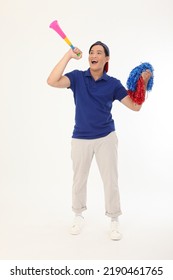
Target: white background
36	123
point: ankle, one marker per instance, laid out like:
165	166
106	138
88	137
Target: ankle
114	219
79	215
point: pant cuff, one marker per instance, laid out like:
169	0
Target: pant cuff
78	211
113	215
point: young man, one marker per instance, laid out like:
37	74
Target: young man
94	131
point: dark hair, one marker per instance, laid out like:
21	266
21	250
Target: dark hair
106	49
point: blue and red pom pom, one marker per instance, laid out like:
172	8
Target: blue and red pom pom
135	83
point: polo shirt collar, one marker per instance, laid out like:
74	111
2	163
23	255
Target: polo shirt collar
103	77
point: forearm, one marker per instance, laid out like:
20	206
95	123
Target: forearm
135	99
58	70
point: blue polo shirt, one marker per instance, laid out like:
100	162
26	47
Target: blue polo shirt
93	103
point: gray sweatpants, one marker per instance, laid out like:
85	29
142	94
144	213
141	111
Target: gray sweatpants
105	151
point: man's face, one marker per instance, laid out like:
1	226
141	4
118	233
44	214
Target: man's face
97	58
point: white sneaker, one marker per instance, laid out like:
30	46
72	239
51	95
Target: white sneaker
115	234
77	225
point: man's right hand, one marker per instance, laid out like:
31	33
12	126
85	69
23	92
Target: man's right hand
76	53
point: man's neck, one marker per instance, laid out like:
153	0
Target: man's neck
96	74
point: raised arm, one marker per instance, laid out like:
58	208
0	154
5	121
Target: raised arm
56	78
128	102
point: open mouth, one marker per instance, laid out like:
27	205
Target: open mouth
94	61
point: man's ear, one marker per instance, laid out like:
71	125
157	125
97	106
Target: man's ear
107	58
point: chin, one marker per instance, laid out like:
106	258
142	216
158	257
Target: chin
94	68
